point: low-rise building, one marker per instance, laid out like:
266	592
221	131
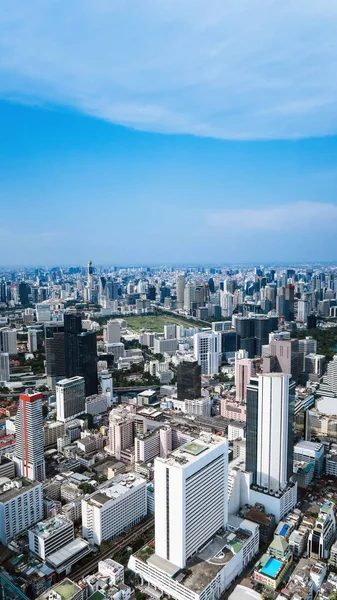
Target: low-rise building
117	505
303	473
272	567
322	535
21	506
308	452
50	535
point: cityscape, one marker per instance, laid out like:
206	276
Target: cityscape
168	300
168	432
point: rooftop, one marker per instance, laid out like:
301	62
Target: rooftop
70	552
66	589
115	488
11	488
189	453
46	528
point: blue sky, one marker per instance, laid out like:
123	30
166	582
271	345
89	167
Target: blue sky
168	135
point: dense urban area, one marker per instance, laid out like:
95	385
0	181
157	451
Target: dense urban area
168	433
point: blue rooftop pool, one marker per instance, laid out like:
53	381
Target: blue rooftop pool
284	530
271	567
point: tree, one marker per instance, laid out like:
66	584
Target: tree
87	488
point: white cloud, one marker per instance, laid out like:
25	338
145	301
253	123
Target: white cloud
296	216
233	69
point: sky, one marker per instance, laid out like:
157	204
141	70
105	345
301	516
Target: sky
168	131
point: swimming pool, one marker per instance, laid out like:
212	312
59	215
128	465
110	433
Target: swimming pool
284	530
271	567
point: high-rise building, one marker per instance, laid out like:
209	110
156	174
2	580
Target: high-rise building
188	380
4	366
191	498
207	351
121	431
112	332
283	356
55	357
244	371
70	398
29	444
24	291
180	289
32	340
270	430
50	535
189	296
80	352
9	340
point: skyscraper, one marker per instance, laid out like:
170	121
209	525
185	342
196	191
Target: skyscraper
55	352
207	351
188	380
270	430
244	371
4	366
70	398
29	450
180	289
191	497
24	291
80	352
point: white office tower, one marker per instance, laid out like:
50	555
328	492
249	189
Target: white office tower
118	504
207	351
180	289
32	340
226	303
70	398
244	371
107	386
112	332
43	313
170	331
303	309
29	444
4	366
9	340
329	385
189	296
196	555
273	427
191	498
21	506
270	442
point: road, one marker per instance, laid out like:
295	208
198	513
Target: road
128	540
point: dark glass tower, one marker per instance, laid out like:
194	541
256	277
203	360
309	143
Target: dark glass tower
54	347
80	352
188	380
24	291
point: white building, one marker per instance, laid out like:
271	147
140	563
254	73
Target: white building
308	452
236	430
107	386
115	348
121	430
207	351
9	340
329	385
32	340
112	569
4	366
50	535
191	497
21	506
160	345
147	446
112	332
226	303
117	505
70	398
29	444
180	289
43	313
273	429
